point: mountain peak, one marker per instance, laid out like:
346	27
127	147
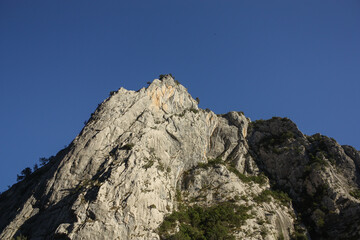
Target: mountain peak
148	162
165	95
170	96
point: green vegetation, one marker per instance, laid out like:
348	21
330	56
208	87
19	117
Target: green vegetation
321	145
36	167
318	217
210	163
20	237
178	195
317	160
43	161
315	137
162	76
152	206
298	236
355	194
259	179
256	124
299	233
271	141
263	231
281	237
161	167
194	110
88	183
148	164
198	222
313	211
26	172
265	196
183	112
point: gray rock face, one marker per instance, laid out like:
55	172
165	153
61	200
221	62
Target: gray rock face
321	176
144	155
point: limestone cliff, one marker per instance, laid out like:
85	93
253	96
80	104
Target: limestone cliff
151	165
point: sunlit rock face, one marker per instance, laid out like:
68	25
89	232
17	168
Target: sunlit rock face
149	154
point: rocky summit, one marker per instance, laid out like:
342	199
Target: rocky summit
150	164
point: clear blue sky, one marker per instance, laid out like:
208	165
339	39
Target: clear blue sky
59	59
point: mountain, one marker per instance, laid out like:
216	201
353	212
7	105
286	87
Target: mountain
150	164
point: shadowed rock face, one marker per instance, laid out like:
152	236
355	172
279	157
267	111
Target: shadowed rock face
319	175
147	154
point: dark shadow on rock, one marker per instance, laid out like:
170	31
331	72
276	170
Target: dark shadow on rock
13	200
92	194
43	224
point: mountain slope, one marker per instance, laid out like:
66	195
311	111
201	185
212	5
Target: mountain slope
150	164
321	176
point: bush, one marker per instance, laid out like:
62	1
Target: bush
299	236
178	196
162	76
26	172
194	110
43	161
161	167
36	167
318	217
317	160
271	141
260	179
320	149
20	237
256	124
210	163
265	196
148	164
198	222
355	194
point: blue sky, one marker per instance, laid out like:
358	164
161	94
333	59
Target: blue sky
59	59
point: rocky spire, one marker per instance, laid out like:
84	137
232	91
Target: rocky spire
144	155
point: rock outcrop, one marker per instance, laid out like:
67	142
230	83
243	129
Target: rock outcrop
150	164
321	177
